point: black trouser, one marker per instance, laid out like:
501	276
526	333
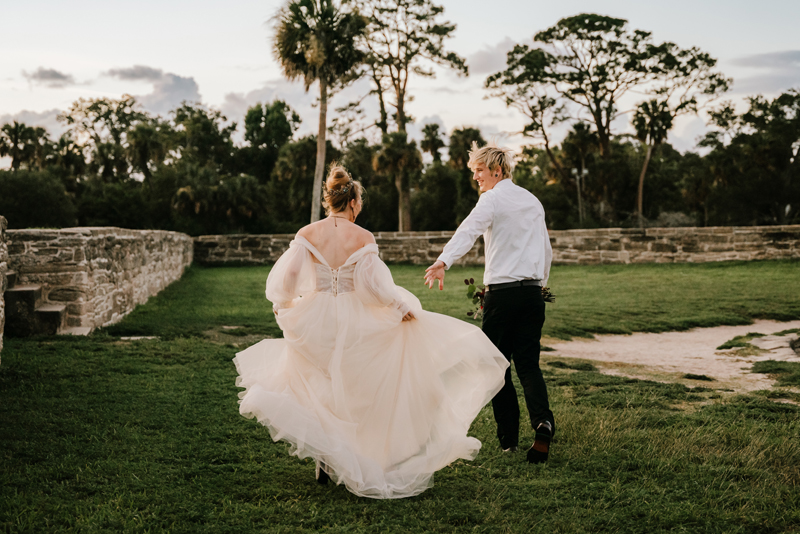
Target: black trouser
513	320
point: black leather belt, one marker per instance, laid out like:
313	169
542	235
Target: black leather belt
518	283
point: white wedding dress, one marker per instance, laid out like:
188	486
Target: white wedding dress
379	403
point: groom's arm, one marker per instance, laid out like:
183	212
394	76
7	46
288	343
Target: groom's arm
476	223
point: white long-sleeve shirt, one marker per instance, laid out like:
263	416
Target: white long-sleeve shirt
512	222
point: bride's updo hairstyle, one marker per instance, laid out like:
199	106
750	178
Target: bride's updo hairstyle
340	189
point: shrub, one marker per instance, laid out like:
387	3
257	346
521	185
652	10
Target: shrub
35	199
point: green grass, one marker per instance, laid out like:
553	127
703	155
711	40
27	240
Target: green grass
603	299
740	341
103	435
787	373
205	299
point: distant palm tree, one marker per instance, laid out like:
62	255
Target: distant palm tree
652	121
399	158
431	142
15	142
316	40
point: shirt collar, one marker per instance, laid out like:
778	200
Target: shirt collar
502	184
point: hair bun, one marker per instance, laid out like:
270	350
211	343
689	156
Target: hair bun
340	188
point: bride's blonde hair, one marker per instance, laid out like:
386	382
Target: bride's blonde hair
340	189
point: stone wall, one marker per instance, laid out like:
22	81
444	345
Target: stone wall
675	245
395	247
585	247
3	269
100	274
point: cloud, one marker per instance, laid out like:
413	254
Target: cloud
137	72
490	59
772	60
780	71
49	77
169	90
446	90
45	119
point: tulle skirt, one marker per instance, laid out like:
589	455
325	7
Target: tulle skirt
379	403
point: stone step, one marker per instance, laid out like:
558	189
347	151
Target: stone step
21	304
11	277
50	318
75	331
26	296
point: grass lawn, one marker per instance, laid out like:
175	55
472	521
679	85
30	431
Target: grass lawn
100	434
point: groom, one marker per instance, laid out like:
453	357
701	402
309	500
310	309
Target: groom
518	257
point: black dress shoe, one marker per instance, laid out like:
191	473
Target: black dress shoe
513	448
540	449
322	476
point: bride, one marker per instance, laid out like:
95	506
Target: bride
379	392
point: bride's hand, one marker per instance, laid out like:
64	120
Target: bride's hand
408	316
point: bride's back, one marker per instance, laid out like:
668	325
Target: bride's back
336	239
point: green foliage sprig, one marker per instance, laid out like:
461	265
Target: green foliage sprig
478	294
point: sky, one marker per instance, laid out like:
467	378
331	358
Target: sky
218	53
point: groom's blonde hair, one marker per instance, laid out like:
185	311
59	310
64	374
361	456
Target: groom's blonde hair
493	157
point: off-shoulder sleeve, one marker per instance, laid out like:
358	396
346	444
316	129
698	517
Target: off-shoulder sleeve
291	277
374	284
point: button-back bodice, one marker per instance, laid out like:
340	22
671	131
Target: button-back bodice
335	281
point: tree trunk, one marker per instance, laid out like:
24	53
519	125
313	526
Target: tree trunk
403	204
319	171
580	197
606	213
401	112
403	192
640	197
383	122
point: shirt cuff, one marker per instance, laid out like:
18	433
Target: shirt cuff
442	258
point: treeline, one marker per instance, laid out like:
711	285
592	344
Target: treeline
749	173
117	165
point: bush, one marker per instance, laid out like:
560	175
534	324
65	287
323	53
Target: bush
119	204
35	199
433	205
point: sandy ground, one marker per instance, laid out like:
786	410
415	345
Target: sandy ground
668	356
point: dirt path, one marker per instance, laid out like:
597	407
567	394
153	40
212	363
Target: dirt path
668	356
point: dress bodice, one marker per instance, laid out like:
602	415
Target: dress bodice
335	281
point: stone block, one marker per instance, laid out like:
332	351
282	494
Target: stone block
65	294
664	247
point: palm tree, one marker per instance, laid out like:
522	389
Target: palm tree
399	158
149	144
431	142
15	142
580	142
652	121
316	40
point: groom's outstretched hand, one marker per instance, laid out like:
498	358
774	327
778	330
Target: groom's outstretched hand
433	273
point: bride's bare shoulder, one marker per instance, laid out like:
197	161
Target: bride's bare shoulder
367	237
308	231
